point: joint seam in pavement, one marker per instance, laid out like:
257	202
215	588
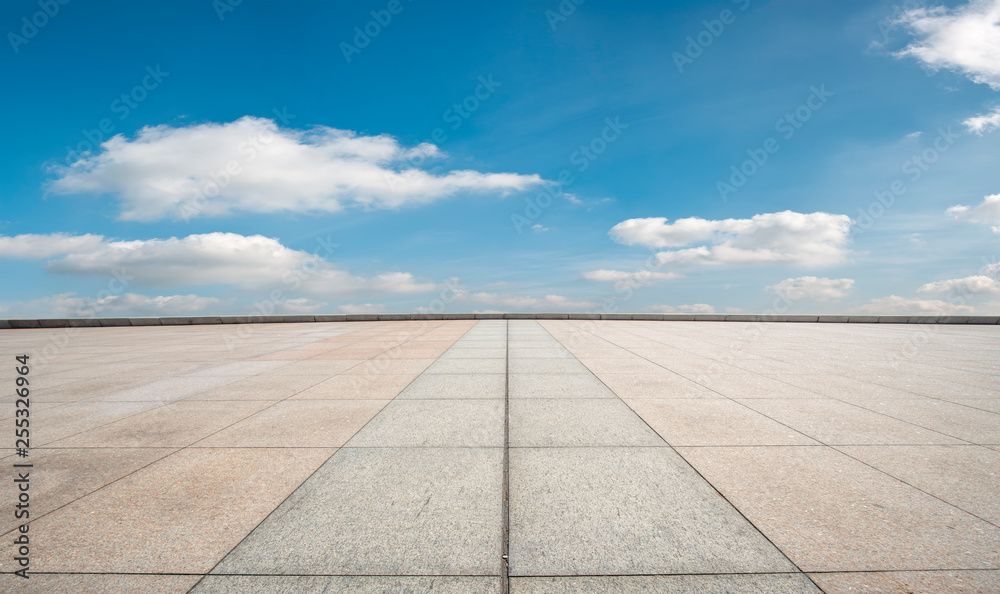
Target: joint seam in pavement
505	513
837	447
682	457
313	473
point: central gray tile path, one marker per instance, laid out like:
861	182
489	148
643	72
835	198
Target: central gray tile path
415	500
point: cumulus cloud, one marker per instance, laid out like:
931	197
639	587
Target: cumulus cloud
811	287
300	305
894	304
36	247
634	279
250	262
965	39
511	302
252	165
987	212
694	308
784	238
970	285
981	124
68	305
362	308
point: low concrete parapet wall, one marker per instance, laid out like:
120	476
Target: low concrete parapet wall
192	320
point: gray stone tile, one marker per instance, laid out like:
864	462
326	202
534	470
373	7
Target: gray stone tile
555	366
572	422
491	352
468	366
456	385
218	584
391	511
621	511
564	385
434	423
788	583
541	353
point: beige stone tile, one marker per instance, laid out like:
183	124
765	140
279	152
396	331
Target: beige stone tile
328	368
78	390
839	423
174	425
262	387
704	422
634	365
98	584
61	476
179	515
291	354
654	385
984	404
352	352
967	476
52	424
966	423
915	582
299	424
828	512
390	367
753	385
358	387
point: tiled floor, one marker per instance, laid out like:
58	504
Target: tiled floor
636	456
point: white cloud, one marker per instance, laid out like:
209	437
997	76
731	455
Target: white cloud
787	238
248	262
539	228
987	212
300	305
68	305
970	285
811	287
363	308
251	165
548	303
35	247
894	304
635	279
695	308
984	123
964	39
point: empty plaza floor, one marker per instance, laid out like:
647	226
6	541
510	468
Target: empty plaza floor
506	455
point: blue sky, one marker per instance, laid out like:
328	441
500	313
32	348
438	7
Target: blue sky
200	157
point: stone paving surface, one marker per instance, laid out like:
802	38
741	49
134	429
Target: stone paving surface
635	456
